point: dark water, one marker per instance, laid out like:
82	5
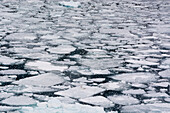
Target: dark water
90	56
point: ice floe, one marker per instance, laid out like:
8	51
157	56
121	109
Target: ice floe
54	105
98	101
139	77
70	3
135	92
47	79
153	108
100	64
80	91
45	66
4	60
116	86
165	74
19	101
123	100
62	49
8	108
13	72
4	95
21	36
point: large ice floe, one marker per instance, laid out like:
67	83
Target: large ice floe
21	36
147	108
123	100
4	60
80	91
19	101
139	77
71	4
44	66
56	106
47	79
98	101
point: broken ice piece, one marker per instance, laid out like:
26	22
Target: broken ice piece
98	101
47	79
123	100
80	91
45	66
70	4
19	101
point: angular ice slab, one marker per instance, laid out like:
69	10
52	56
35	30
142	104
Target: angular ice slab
116	86
80	92
8	108
70	3
123	100
19	101
135	77
13	72
147	108
5	95
166	62
56	106
98	101
4	60
165	74
47	79
21	36
62	49
100	64
45	66
134	91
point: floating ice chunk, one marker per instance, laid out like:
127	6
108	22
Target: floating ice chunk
4	67
150	37
56	106
82	79
8	108
166	62
9	61
135	77
70	3
4	79
66	100
167	99
5	95
166	45
139	85
100	72
98	79
165	74
143	62
45	66
123	100
27	89
59	42
50	37
62	49
80	92
19	101
161	84
147	108
100	64
47	79
21	36
98	101
156	95
13	72
136	92
117	86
